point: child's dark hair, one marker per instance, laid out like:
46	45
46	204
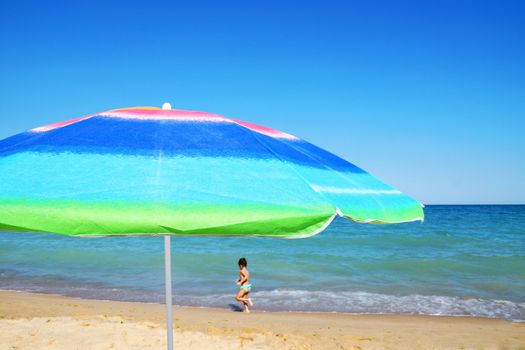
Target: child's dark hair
242	261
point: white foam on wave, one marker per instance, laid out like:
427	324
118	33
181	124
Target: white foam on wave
370	303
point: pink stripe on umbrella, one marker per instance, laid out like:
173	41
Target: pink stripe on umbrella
266	131
60	124
160	114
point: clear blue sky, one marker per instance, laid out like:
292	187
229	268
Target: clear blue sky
427	95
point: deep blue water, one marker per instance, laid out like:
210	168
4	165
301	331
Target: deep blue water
463	260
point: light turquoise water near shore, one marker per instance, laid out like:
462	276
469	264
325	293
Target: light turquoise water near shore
464	260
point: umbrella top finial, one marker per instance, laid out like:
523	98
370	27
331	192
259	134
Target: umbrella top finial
166	106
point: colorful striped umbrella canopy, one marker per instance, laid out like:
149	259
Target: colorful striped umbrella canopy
147	170
151	171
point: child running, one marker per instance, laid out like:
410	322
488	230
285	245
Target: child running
245	286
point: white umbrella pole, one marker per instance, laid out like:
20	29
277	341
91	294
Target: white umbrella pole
167	278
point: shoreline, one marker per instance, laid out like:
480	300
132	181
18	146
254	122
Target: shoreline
263	311
30	320
386	313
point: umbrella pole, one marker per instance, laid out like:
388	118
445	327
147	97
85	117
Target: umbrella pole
167	277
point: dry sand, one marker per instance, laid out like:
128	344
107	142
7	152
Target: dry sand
40	321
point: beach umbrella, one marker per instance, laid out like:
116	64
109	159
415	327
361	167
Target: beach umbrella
153	171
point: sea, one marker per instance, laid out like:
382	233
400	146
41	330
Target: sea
463	260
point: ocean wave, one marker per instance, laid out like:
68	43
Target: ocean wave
291	300
370	303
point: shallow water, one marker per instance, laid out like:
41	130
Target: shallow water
464	260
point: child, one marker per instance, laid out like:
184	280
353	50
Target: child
245	286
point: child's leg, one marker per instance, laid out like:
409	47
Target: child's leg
248	299
241	297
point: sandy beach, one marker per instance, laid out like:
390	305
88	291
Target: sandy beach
41	321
